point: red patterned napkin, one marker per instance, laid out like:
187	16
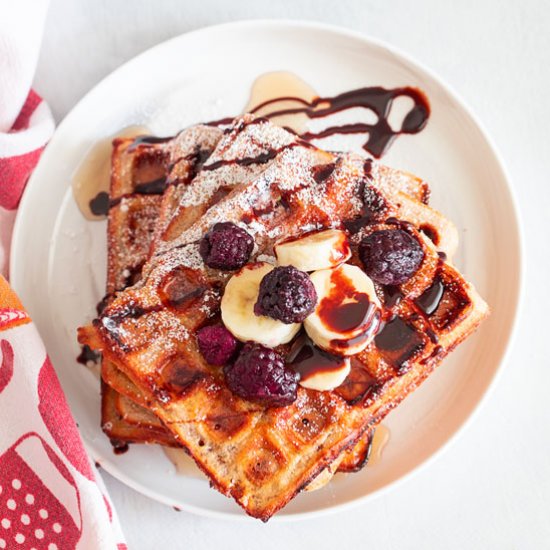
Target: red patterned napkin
51	497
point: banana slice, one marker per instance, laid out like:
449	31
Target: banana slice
237	309
326	380
320	250
348	311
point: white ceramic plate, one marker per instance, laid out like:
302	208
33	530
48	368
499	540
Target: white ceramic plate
58	258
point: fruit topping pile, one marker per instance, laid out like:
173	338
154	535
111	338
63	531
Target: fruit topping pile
325	309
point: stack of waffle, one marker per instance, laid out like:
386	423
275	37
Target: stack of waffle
157	387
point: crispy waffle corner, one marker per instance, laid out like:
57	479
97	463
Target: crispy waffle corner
264	457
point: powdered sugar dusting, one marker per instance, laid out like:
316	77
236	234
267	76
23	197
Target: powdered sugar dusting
193	138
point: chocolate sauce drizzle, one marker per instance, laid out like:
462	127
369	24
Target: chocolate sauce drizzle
377	99
262	158
112	323
119	447
400	341
88	355
429	300
155	187
394	335
149	140
345	309
99	205
392	296
308	360
380	134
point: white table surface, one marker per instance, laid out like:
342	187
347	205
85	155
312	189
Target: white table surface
491	488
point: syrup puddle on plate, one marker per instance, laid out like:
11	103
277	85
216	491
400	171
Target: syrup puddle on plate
380	439
182	462
91	179
281	91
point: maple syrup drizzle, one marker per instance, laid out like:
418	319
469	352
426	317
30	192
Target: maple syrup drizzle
380	439
289	91
91	179
289	102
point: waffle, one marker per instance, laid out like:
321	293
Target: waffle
263	457
125	417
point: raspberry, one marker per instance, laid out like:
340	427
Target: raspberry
390	256
216	344
286	294
259	374
226	246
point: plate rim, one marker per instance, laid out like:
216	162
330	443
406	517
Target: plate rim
278	25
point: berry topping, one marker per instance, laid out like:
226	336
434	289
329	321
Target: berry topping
216	344
390	256
286	294
226	246
259	374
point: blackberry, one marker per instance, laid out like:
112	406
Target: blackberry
390	256
226	246
286	294
259	374
216	344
